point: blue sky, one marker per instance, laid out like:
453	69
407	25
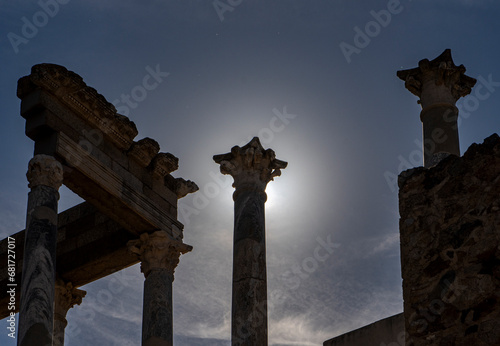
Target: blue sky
344	122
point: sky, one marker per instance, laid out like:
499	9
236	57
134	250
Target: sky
316	81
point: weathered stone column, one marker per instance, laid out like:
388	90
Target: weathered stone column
252	168
66	297
45	176
159	254
438	84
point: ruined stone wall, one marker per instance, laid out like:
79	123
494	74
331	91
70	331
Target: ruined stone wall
450	254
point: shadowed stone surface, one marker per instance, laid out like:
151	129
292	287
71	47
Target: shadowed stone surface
252	168
450	249
37	286
159	254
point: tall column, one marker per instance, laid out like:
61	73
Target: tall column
252	168
439	84
159	254
45	176
66	296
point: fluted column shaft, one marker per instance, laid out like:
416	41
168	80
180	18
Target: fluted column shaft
45	176
159	254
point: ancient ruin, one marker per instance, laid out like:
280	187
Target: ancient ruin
449	219
252	168
81	142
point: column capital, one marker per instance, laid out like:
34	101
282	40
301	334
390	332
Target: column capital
437	82
251	165
158	250
44	170
66	296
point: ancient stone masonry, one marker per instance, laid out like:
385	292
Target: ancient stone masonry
450	249
439	84
83	143
252	168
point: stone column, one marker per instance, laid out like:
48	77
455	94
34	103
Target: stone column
45	176
159	254
439	84
252	168
66	296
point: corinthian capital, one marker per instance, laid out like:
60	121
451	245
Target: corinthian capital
45	170
250	165
66	296
158	250
437	81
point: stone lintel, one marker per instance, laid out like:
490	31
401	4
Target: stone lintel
84	101
104	182
438	81
251	166
158	250
100	171
90	246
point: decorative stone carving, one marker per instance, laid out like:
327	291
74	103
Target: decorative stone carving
250	165
163	164
144	151
45	170
439	84
91	106
184	187
66	297
441	75
158	250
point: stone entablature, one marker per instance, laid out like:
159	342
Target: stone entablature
129	181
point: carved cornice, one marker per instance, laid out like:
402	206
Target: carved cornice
164	164
85	101
442	71
158	250
144	151
66	296
250	165
184	187
44	170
